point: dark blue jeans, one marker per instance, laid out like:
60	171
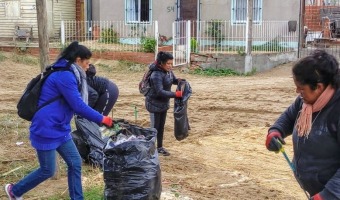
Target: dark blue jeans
47	161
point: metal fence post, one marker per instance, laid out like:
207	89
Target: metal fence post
62	32
188	50
156	38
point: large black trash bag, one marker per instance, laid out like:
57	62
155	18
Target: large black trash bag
89	141
181	121
132	169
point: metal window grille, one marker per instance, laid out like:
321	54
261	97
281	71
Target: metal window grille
239	11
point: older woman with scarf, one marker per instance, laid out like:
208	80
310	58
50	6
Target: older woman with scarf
50	128
313	120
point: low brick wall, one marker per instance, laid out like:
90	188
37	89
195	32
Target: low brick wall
261	61
138	57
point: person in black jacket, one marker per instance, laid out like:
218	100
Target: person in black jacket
158	98
313	121
103	93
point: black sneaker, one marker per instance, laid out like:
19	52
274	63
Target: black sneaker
163	151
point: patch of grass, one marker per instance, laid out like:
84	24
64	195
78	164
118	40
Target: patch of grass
131	66
105	67
221	72
94	192
2	57
24	59
216	72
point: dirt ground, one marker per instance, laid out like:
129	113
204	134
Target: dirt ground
224	156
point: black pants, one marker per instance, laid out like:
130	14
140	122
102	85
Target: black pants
158	122
107	100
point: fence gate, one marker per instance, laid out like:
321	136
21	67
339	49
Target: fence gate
181	42
321	27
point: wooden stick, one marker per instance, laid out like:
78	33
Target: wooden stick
13	170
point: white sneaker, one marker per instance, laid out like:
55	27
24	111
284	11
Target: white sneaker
8	190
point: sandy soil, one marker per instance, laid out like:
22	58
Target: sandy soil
224	156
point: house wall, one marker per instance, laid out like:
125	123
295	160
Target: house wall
163	11
57	10
27	18
215	9
281	10
62	10
222	10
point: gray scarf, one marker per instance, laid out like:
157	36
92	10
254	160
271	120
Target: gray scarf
81	78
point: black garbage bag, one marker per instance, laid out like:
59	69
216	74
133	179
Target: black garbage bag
132	169
181	120
89	141
82	146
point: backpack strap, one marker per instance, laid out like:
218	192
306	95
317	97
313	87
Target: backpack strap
67	68
49	101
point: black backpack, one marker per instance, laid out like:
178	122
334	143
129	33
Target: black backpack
144	84
28	103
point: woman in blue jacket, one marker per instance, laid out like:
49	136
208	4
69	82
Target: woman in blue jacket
313	121
50	128
158	98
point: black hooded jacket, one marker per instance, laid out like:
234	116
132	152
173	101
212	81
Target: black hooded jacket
316	158
158	98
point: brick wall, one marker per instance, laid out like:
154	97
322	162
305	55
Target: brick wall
312	18
137	57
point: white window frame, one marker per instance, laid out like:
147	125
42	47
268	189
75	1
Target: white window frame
257	11
129	7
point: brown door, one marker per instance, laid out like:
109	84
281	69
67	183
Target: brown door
188	11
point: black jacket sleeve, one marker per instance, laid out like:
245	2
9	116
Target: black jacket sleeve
157	79
285	123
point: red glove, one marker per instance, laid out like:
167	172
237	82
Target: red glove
274	141
107	121
179	94
317	197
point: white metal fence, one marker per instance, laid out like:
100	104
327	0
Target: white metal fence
224	36
110	35
181	42
197	36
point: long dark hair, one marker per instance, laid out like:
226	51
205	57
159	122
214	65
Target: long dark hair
75	50
163	57
318	67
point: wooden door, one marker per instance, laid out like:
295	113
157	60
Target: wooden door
188	11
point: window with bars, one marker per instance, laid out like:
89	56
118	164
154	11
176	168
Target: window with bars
239	11
138	11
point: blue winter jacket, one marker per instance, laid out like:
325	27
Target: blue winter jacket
50	126
316	158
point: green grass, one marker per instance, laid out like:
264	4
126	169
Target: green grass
221	72
90	193
216	72
24	59
2	57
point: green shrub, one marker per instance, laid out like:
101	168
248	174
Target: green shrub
148	44
214	30
109	36
193	45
